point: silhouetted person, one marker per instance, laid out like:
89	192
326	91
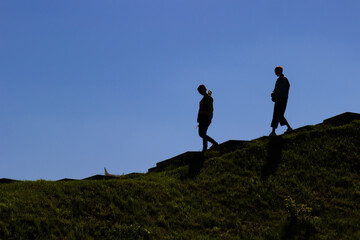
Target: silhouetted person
280	97
205	116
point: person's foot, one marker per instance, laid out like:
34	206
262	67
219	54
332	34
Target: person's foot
272	134
289	130
215	144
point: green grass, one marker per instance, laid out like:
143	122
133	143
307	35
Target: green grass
304	185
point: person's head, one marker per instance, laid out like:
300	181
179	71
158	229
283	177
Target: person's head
278	70
202	89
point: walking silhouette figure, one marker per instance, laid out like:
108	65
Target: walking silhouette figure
280	96
205	116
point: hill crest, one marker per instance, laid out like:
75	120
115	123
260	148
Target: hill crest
302	185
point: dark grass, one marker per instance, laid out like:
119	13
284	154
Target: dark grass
304	185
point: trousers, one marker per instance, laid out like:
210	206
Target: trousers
203	127
279	111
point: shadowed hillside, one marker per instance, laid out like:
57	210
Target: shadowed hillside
303	185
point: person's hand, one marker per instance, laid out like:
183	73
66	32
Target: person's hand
273	97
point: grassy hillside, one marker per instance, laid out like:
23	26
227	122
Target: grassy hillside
304	185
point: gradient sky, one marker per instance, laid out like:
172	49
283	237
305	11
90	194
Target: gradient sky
90	84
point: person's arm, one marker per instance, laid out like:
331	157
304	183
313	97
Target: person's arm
210	108
275	91
198	116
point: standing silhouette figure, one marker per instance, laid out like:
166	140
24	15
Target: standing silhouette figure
205	116
280	96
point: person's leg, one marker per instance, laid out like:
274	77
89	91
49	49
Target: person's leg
209	139
202	133
283	122
203	127
273	133
275	119
213	142
282	119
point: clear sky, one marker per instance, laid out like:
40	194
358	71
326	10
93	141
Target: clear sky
88	84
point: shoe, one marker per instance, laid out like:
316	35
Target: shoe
288	130
272	134
214	146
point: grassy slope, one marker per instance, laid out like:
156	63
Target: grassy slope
313	192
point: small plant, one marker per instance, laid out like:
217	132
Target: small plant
301	221
298	212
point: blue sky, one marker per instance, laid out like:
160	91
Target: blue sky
90	84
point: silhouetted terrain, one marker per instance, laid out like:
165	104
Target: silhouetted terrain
302	185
